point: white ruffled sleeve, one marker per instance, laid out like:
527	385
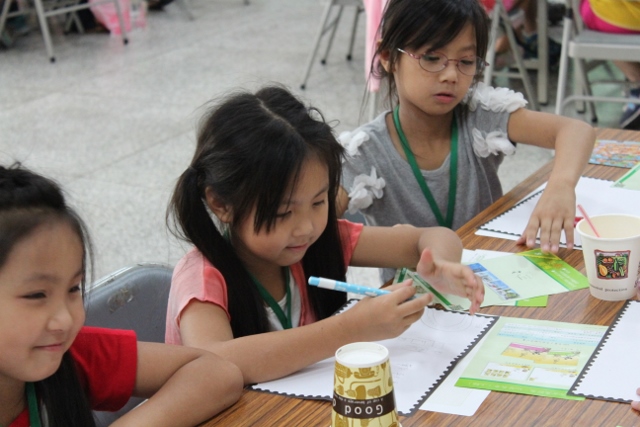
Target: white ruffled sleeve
491	143
365	189
351	141
497	100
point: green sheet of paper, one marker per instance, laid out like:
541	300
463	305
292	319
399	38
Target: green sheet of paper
630	180
523	279
536	357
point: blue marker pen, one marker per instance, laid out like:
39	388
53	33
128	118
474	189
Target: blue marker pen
346	287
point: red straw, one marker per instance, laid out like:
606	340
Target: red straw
584	213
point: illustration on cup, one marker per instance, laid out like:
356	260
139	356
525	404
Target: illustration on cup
363	397
612	265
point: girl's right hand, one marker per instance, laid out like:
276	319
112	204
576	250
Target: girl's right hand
636	403
386	316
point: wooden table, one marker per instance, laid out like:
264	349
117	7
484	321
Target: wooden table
499	409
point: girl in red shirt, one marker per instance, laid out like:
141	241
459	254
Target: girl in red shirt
53	371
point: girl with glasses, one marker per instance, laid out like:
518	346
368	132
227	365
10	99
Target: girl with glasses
433	158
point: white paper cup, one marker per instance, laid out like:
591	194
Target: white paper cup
363	387
612	260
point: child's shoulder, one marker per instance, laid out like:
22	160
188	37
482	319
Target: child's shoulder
376	129
495	99
193	267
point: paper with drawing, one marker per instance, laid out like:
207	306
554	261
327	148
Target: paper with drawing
420	359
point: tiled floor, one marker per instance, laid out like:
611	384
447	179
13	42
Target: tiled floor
115	124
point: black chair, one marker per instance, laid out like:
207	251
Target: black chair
132	298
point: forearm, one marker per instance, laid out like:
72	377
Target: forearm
285	352
443	242
194	393
573	147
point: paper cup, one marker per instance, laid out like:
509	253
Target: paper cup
612	260
363	387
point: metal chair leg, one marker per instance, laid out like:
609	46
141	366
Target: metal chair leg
353	32
44	28
524	74
123	28
581	75
543	53
3	15
564	63
491	51
72	19
316	43
334	28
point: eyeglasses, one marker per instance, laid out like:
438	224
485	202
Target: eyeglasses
434	62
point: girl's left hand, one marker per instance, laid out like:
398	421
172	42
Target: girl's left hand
554	213
451	278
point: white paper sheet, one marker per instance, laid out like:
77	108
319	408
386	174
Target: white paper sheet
449	399
597	196
420	357
614	373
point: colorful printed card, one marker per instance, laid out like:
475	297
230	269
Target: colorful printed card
478	255
537	357
508	280
623	154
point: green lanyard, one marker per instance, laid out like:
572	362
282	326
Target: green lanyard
453	171
285	320
34	415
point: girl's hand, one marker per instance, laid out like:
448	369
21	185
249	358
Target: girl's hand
636	403
386	316
554	212
451	278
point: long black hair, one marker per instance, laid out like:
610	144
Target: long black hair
415	23
27	202
249	153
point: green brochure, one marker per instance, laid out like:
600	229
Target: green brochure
523	279
537	357
630	180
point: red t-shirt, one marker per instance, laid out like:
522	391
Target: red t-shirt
106	360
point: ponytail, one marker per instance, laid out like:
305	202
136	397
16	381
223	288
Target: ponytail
189	213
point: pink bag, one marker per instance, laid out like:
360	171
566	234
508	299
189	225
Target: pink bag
133	14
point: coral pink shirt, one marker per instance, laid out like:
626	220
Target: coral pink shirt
194	278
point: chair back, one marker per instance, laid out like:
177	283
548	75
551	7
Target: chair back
132	298
586	49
